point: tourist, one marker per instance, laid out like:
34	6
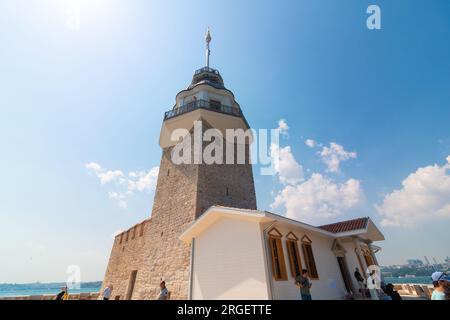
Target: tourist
63	295
441	283
382	295
359	278
107	292
304	283
164	293
391	292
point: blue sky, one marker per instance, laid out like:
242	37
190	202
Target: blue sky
97	94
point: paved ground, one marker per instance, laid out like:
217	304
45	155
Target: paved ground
413	298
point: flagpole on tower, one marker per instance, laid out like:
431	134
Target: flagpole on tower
208	51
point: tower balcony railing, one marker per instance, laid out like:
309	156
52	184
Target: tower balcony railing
207	69
203	104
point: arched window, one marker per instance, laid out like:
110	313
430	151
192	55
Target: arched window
309	258
368	257
294	254
276	249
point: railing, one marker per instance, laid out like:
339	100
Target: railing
203	104
207	69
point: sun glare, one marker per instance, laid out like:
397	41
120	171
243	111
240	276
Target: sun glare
76	11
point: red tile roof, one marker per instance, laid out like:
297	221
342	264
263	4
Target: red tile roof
345	226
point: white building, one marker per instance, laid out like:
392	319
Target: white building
249	254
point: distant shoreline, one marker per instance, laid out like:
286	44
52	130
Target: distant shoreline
415	280
29	289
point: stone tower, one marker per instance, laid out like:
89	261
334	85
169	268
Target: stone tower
151	251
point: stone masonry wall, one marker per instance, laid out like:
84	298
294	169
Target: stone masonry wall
183	193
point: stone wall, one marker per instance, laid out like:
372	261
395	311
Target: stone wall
183	193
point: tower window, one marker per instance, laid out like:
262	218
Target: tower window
141	231
215	104
228	193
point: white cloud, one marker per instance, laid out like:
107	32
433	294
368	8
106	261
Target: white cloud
105	176
94	166
333	155
289	171
424	196
319	199
310	143
144	181
283	127
110	176
128	185
121	199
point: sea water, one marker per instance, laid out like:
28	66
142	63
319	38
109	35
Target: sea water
416	280
15	290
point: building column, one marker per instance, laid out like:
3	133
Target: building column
356	241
